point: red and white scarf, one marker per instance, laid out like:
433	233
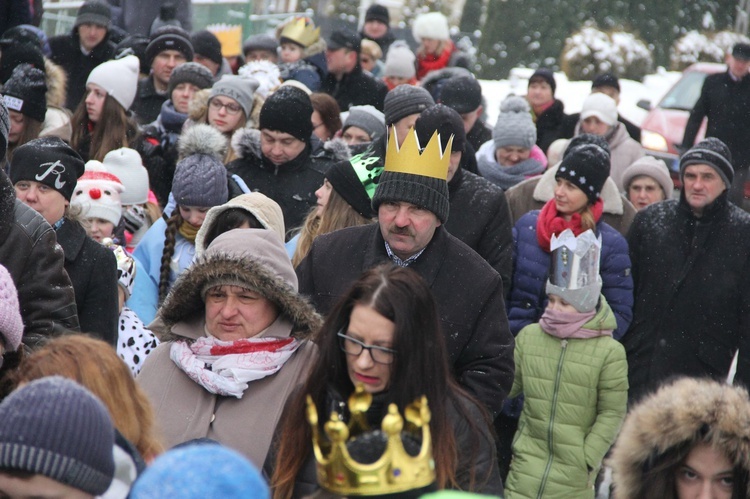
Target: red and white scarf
226	367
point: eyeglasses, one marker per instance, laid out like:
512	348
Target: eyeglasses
231	107
353	347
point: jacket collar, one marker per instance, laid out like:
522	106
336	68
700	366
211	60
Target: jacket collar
545	190
71	237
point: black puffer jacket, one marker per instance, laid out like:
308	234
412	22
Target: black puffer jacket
469	294
692	293
292	184
93	271
66	52
29	250
480	218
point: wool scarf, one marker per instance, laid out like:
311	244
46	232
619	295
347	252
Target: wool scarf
226	367
431	62
508	176
551	222
565	325
188	231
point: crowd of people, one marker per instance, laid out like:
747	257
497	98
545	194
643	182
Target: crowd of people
205	245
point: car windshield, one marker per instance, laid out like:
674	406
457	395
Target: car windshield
685	93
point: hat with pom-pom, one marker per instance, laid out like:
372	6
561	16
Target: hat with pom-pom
200	178
25	92
514	126
712	152
587	167
126	164
11	323
119	78
56	428
98	194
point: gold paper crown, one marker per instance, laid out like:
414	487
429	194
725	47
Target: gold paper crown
230	37
395	471
301	30
431	161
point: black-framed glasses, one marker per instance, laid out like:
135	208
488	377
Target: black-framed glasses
353	347
231	107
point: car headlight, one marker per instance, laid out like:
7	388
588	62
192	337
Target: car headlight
653	141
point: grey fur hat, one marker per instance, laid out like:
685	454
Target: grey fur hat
514	126
239	88
368	119
200	178
405	100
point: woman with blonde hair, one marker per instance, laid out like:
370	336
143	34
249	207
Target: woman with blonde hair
96	366
344	200
102	121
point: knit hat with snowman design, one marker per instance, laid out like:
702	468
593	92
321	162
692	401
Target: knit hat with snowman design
98	193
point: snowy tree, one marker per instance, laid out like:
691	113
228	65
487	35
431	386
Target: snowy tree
698	47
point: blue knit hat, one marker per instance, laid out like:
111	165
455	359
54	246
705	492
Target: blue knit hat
56	428
200	471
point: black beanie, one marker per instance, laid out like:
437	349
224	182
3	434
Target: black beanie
25	92
545	75
587	138
169	38
50	161
446	121
94	12
462	93
207	45
19	53
606	80
288	110
712	152
377	12
587	167
355	180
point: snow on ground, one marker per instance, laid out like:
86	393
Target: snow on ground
572	93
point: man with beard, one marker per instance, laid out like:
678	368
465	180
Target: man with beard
412	204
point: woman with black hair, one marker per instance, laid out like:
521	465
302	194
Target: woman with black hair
385	334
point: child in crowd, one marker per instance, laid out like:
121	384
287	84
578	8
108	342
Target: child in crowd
573	375
303	56
98	195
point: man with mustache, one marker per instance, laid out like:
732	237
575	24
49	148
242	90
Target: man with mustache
412	205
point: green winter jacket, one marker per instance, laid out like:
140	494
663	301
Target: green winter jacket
576	394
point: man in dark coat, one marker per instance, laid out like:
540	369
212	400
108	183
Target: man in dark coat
691	268
346	82
412	204
549	113
480	216
28	249
279	161
464	95
377	27
169	47
725	101
84	48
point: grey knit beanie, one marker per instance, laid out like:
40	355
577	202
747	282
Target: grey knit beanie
190	72
200	180
405	100
56	428
239	88
368	119
261	42
400	61
514	126
712	152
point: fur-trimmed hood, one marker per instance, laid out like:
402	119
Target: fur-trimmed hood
688	411
57	84
266	210
545	190
246	144
251	258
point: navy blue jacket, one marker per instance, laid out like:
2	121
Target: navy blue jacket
528	298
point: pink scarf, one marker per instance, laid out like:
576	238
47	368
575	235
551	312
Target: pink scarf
570	324
225	367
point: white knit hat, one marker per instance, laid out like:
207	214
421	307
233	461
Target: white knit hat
431	25
119	78
98	193
602	106
650	167
400	61
126	164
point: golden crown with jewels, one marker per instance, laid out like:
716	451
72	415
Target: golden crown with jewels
432	161
301	30
395	471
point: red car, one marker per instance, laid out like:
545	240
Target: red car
665	123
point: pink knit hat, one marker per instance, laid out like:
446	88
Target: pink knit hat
11	324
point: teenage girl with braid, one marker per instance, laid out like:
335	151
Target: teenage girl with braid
168	248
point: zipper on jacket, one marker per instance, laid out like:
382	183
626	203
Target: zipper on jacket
553	410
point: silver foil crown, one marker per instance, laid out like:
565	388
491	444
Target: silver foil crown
574	269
